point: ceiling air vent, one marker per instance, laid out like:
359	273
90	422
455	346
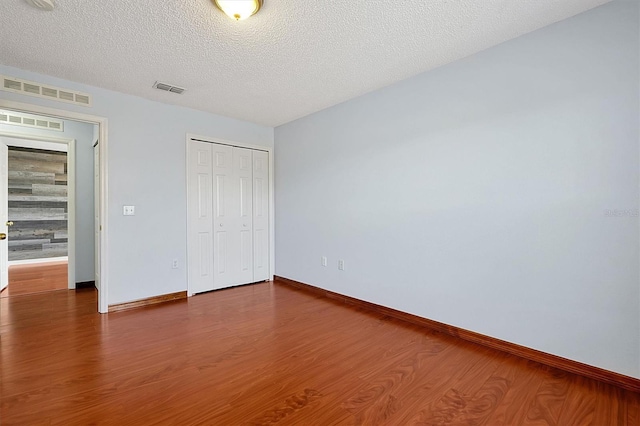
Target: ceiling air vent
168	88
83	99
31	88
26	120
67	96
47	91
12	84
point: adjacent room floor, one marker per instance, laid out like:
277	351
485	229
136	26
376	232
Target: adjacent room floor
269	354
36	278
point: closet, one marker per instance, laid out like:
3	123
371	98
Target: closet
228	216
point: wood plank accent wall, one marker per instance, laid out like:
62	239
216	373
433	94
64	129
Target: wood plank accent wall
37	203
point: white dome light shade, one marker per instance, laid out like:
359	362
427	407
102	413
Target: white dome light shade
239	9
42	4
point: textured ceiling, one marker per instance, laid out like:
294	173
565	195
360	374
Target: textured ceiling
293	58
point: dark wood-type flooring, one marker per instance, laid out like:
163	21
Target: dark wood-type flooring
268	354
36	278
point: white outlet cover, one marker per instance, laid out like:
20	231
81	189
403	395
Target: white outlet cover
128	210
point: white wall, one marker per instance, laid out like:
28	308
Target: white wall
146	168
476	194
83	134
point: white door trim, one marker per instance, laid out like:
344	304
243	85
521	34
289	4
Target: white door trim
103	293
270	150
71	193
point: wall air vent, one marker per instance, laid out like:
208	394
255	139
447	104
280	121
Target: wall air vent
27	120
16	85
168	88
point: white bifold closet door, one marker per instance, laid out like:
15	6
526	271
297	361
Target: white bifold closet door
260	215
228	226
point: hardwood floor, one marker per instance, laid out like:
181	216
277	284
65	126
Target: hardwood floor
268	354
36	278
547	359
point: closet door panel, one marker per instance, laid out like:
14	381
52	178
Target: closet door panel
243	159
200	261
260	215
224	223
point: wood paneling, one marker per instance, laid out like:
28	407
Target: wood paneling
32	165
37	213
37	203
568	365
39	156
49	190
22	177
267	354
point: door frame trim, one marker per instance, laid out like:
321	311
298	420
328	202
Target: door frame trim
71	195
220	141
101	122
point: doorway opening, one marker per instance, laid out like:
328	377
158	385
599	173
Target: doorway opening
85	139
38	218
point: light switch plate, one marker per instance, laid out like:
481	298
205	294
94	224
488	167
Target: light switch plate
128	210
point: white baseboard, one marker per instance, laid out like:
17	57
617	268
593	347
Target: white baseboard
44	260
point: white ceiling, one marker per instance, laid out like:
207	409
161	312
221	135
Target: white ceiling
293	58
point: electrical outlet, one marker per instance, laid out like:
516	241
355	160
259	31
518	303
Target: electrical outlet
323	261
174	264
341	265
128	210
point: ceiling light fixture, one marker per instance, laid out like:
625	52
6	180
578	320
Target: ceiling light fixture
239	9
42	4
